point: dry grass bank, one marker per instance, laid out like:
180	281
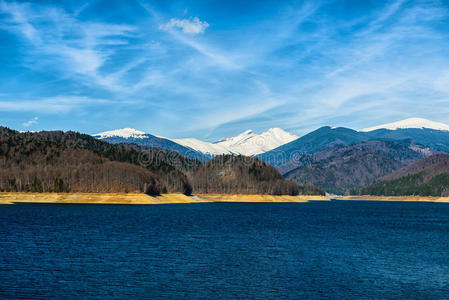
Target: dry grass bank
122	198
258	198
135	198
91	198
397	198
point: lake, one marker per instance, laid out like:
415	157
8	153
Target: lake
320	249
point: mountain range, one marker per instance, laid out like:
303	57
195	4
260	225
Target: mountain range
405	157
247	143
277	146
56	161
338	159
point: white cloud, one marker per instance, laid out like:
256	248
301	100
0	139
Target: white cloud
31	122
50	105
80	48
191	26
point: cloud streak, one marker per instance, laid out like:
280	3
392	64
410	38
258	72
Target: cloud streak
192	26
50	105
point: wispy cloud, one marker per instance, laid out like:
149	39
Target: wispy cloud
80	48
51	105
192	26
31	122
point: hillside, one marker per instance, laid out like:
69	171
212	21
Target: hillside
426	177
410	123
56	161
243	175
322	138
437	139
338	169
69	161
150	141
327	137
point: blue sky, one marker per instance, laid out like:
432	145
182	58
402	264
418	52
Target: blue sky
210	69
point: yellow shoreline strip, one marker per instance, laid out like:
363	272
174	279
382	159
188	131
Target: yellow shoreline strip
135	198
397	198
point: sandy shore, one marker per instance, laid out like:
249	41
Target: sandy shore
259	198
134	198
122	198
397	198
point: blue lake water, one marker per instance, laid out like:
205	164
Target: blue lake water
338	249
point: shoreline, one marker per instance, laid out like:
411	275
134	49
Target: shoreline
142	199
396	198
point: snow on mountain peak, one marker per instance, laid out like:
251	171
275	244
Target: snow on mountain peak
246	143
124	133
237	139
410	123
251	143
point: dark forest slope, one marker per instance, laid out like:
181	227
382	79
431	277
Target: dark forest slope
340	169
69	161
426	177
244	175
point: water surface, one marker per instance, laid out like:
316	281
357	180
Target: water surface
338	249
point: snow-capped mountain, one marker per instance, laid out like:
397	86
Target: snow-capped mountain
134	136
251	143
246	143
125	133
410	123
204	147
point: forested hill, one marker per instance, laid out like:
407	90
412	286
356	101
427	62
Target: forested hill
426	177
244	175
56	161
339	169
53	161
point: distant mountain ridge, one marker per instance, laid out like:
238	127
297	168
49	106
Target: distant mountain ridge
320	139
417	123
277	147
247	143
325	137
134	136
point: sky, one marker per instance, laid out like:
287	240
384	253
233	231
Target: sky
211	69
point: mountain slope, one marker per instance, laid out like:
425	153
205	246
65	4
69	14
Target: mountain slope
426	177
203	147
247	143
438	139
417	123
87	164
250	143
339	169
134	136
315	141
